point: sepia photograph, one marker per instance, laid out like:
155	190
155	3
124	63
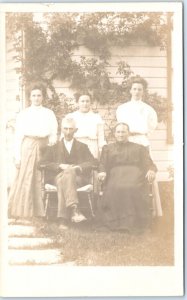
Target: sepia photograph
93	149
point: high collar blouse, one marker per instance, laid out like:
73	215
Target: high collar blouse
140	117
87	124
34	121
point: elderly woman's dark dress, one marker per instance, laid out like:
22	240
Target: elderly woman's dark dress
125	202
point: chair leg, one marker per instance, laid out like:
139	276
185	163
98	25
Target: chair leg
151	202
46	203
90	203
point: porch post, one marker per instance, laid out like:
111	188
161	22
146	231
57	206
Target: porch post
169	80
22	81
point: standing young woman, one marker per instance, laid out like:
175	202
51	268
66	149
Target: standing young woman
36	126
90	125
141	117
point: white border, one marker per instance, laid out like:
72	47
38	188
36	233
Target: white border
90	7
104	281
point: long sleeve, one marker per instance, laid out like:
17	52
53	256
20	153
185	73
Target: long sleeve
35	121
89	160
146	160
103	159
53	128
121	114
152	120
141	118
101	136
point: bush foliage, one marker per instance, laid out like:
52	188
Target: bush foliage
45	50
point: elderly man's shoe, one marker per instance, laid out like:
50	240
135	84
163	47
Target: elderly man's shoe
76	216
62	227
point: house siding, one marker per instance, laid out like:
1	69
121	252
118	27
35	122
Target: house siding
13	106
149	62
12	80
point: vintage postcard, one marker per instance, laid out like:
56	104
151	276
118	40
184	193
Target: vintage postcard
92	149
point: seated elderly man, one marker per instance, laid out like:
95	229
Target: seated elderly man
69	164
125	168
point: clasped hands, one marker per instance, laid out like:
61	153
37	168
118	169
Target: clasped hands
66	166
150	176
101	176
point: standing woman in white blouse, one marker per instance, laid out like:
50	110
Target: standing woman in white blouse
142	120
36	126
141	117
90	125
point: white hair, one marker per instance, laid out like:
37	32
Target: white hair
68	120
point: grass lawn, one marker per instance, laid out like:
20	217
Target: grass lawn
85	245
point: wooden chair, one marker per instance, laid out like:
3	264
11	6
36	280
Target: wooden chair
85	194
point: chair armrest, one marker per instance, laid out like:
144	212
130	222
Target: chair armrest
94	168
42	166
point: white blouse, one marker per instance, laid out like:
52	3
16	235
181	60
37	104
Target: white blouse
34	121
141	119
90	127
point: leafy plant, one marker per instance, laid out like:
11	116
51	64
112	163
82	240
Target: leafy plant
46	51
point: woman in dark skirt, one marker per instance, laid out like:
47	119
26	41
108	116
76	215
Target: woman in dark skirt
36	126
125	168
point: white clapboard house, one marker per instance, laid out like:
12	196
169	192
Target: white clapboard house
152	63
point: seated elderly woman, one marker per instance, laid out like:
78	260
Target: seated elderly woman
125	168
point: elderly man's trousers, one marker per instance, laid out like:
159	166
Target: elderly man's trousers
67	183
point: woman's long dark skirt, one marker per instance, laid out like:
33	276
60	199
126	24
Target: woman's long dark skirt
125	204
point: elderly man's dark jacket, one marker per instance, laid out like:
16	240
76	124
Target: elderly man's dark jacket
80	155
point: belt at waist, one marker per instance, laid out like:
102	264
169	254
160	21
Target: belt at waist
137	133
35	137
